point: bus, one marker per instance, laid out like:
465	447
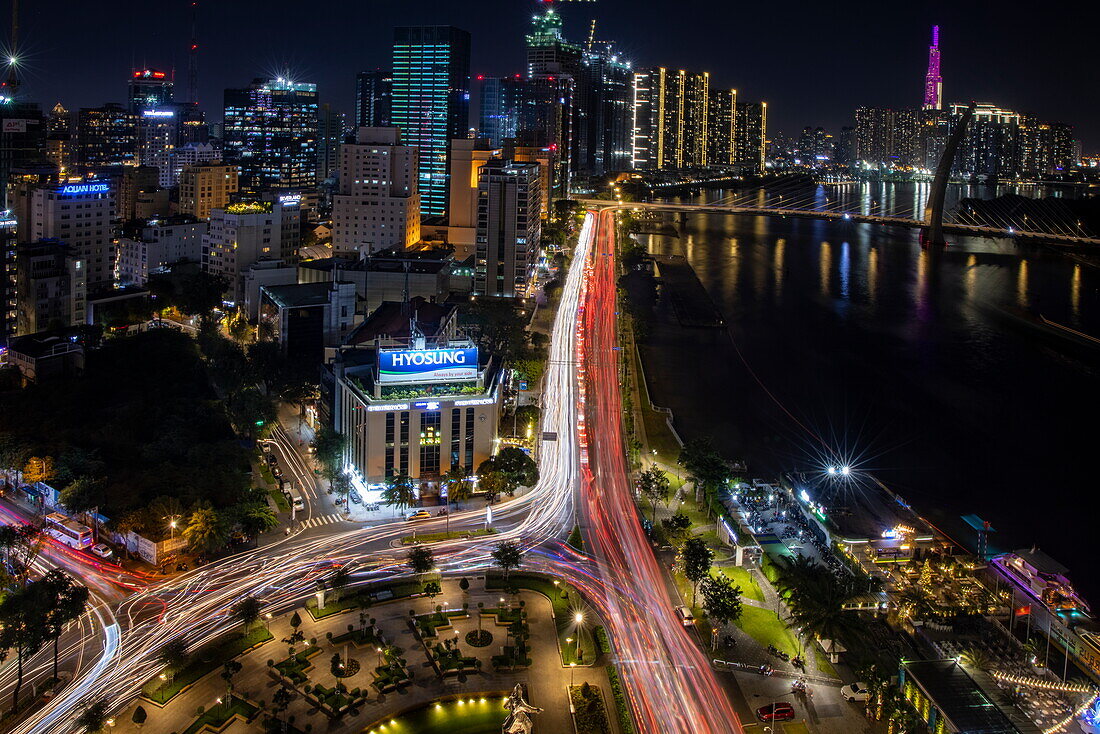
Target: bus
68	531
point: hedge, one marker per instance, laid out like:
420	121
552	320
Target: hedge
626	721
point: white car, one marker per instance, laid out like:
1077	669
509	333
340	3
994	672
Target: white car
102	550
856	692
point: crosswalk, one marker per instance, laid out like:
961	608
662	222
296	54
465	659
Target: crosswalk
315	522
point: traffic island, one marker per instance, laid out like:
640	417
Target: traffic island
587	706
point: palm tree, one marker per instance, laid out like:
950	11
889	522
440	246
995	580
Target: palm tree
456	483
976	658
399	491
205	531
421	560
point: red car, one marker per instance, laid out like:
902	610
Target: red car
779	711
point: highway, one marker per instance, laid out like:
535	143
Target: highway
670	683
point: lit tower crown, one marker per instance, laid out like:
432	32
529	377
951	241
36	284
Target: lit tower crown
933	82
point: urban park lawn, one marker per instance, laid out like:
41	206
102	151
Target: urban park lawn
473	715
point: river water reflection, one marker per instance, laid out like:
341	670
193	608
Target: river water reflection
921	366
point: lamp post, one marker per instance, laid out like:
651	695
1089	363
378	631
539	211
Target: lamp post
579	619
572	668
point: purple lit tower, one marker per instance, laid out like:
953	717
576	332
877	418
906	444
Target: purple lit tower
933	82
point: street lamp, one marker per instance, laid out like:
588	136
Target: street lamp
579	619
572	667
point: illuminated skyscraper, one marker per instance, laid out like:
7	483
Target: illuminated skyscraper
271	133
108	136
150	89
672	119
431	102
933	82
373	91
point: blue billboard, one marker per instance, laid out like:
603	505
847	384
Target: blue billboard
427	365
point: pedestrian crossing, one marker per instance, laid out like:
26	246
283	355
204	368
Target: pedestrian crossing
315	522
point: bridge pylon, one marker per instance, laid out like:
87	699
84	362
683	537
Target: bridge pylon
932	234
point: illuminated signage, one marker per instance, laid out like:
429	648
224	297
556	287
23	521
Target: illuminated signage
427	405
93	187
158	113
290	198
477	401
383	408
427	365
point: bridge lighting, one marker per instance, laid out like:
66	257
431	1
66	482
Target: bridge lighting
832	470
846	470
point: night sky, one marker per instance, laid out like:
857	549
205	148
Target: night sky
813	62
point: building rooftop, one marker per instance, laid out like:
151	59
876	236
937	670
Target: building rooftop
298	295
961	700
1041	562
392	318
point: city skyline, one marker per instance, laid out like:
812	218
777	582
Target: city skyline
61	72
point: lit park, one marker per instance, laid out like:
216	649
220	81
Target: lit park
488	375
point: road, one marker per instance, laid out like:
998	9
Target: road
671	686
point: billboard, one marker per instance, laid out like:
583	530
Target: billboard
427	365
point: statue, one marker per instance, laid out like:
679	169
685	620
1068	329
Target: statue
519	717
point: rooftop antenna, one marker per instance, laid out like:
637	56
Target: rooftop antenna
192	59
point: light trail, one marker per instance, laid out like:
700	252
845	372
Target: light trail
670	684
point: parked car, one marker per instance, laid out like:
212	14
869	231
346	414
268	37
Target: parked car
856	692
778	711
420	515
102	550
356	498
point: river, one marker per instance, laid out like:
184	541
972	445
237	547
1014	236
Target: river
851	342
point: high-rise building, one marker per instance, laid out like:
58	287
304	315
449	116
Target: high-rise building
605	98
131	184
22	140
377	204
933	82
80	216
158	131
1044	148
60	148
8	238
752	135
468	155
51	286
546	121
243	234
722	128
271	133
675	126
548	53
509	227
431	102
107	136
330	134
887	137
192	154
150	89
989	147
205	187
373	94
814	148
501	102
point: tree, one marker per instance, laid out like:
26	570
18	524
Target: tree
139	716
706	468
173	655
696	557
517	468
281	699
256	518
420	560
492	483
83	495
248	409
200	293
93	718
655	485
676	525
205	531
22	628
19	545
507	556
721	599
339	580
246	611
60	602
38	469
399	491
329	446
340	484
230	669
